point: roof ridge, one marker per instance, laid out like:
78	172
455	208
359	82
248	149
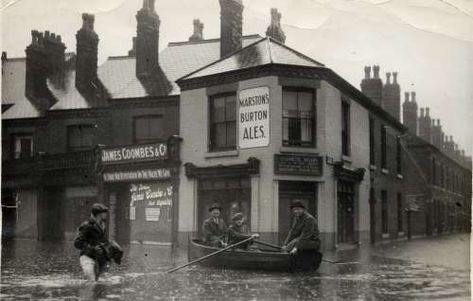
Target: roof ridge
300	54
222	59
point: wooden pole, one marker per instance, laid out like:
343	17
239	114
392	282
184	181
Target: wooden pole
211	254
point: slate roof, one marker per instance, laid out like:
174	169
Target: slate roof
13	90
263	52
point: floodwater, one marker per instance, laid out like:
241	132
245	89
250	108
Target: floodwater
401	271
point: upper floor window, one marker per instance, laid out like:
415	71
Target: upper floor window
148	128
345	128
80	137
398	156
298	117
372	148
22	146
383	147
222	122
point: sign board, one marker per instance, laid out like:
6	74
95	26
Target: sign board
133	175
295	164
155	198
253	117
134	153
414	202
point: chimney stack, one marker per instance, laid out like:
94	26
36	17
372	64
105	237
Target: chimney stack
147	40
372	87
87	55
274	29
132	51
231	26
45	59
425	125
437	134
392	97
409	113
198	34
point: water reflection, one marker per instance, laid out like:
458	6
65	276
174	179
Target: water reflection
32	270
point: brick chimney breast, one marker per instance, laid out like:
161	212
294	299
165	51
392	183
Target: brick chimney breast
231	26
147	40
274	29
198	34
372	87
87	55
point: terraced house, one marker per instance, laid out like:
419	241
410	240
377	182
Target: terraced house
243	120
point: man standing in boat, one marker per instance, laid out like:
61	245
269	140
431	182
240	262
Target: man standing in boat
304	233
238	231
214	230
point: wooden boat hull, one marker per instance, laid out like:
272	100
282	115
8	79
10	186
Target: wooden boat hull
242	259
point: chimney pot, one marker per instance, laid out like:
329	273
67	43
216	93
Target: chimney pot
406	96
198	31
421	112
427	112
413	96
4	56
367	72
438	122
394	77
274	29
388	78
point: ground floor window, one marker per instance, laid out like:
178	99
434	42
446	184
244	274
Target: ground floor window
384	211
346	211
233	194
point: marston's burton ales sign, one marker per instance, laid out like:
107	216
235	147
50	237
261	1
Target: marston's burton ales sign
253	117
134	153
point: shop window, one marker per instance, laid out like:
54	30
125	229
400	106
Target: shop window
383	147
22	146
148	128
372	148
80	137
398	156
345	128
400	212
384	211
233	194
298	117
222	122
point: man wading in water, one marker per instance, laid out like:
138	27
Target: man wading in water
95	249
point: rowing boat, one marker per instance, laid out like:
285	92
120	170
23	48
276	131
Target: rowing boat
263	259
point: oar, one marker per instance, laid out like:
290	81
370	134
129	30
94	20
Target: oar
211	254
267	244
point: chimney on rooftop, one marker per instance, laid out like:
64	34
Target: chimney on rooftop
87	55
198	34
437	133
425	125
372	87
231	26
274	29
45	59
147	40
392	96
409	113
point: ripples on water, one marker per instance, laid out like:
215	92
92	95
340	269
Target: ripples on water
43	276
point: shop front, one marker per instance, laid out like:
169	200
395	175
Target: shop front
140	184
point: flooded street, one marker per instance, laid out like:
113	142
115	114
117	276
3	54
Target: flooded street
423	269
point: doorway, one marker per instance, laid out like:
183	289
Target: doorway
346	212
289	191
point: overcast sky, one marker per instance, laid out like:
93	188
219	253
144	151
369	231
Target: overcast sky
429	42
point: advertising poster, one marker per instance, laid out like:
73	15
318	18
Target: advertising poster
253	117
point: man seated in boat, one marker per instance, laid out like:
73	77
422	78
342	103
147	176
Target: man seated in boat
304	233
214	230
238	231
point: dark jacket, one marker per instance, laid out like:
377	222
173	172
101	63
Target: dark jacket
90	239
305	229
237	233
212	231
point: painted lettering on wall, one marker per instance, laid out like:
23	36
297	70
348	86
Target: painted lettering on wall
142	174
134	153
254	117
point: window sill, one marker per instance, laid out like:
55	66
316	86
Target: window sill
385	235
220	154
385	171
372	167
400	176
298	149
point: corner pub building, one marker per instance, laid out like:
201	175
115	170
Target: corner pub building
159	136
